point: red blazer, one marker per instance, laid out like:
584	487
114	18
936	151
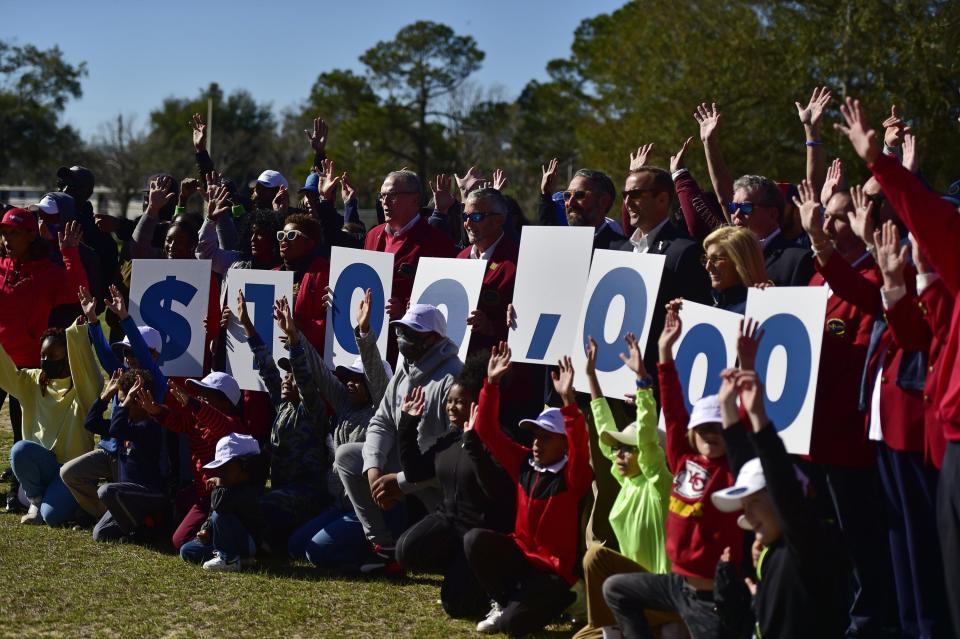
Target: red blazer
308	310
935	223
839	435
420	241
497	291
936	307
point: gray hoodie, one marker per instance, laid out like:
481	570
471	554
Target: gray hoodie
434	373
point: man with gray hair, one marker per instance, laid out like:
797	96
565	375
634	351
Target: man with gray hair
758	205
407	235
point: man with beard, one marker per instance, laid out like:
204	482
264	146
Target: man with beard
586	202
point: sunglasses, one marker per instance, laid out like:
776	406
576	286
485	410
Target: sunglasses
569	195
290	235
383	197
635	194
712	260
477	217
745	207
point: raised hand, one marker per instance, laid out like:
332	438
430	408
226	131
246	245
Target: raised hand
145	399
199	132
70	236
363	312
499	362
832	182
891	256
511	317
861	218
188	186
894	128
499	179
811	213
708	117
474	409
347	192
281	201
911	161
131	396
160	195
858	131
225	316
318	137
328	180
672	327
178	394
563	381
441	192
548	182
243	316
218	200
413	403
751	398
591	350
89	304
640	159
748	342
676	161
283	315
811	114
728	397
116	303
111	386
469	181
633	358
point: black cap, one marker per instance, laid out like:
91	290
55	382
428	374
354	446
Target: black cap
77	176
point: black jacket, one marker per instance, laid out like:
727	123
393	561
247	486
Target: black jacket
787	264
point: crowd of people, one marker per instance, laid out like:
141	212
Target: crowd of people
532	500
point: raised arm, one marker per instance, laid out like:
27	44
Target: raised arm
810	117
701	213
674	408
310	396
69	240
509	454
708	117
86	373
373	368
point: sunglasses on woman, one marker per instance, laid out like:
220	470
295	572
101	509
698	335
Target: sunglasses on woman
290	235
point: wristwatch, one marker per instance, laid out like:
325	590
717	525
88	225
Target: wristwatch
645	382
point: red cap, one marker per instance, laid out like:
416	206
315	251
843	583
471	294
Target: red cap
20	219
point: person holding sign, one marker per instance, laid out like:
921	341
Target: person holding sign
407	235
639	512
734	261
702	463
300	240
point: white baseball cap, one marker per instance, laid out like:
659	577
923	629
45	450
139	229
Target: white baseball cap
550	420
423	318
626	437
705	411
220	382
150	335
357	367
750	480
272	179
231	446
48	206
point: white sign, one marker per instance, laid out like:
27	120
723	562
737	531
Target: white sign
261	289
788	360
453	286
352	272
551	281
620	298
172	296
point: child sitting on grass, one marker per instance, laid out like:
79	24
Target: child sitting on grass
528	573
230	538
639	512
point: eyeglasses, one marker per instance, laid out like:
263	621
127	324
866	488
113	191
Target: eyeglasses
290	235
712	260
634	194
383	197
477	217
569	195
745	207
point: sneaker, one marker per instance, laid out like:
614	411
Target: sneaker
32	516
489	625
220	564
383	562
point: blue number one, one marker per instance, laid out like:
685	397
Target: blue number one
261	296
356	276
790	333
629	284
706	339
453	295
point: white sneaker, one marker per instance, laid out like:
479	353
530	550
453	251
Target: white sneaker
32	516
219	564
489	625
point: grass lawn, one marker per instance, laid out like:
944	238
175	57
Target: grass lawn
59	583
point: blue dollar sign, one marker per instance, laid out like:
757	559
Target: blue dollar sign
156	309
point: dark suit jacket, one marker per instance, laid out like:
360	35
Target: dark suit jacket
496	292
787	264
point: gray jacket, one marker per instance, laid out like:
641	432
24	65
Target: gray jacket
434	373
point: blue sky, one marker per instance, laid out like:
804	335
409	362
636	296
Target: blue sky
138	53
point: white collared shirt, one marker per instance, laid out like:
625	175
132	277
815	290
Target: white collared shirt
641	240
552	468
486	255
409	225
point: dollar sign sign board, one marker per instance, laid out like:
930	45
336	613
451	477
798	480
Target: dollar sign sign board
156	309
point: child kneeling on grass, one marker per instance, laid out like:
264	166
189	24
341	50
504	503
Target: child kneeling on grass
528	573
229	539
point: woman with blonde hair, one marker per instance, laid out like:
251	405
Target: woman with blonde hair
734	261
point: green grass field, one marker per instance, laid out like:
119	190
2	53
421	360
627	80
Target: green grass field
59	583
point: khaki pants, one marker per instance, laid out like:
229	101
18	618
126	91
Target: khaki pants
82	476
598	564
605	487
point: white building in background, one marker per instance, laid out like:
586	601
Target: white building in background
102	200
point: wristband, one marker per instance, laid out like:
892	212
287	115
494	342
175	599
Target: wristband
645	382
179	210
814	143
237	211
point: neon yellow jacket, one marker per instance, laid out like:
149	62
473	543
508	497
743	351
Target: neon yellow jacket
639	513
54	419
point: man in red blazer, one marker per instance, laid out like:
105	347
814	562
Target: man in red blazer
407	235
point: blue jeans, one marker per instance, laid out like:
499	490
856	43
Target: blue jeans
230	539
38	472
335	539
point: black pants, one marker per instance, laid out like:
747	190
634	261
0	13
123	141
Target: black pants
16	416
434	545
629	595
529	597
948	522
